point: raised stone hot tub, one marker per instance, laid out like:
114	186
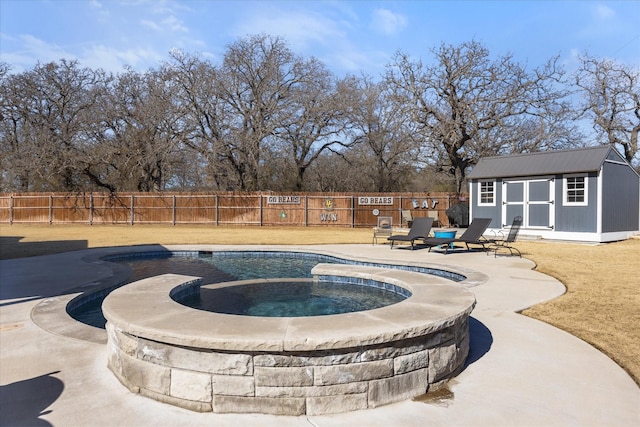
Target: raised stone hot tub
208	361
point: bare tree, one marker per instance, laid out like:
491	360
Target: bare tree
388	139
314	119
469	105
338	172
206	127
45	112
16	141
611	100
254	80
138	135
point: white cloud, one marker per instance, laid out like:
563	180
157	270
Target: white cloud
604	12
98	11
386	22
114	60
150	24
167	20
355	61
32	50
165	7
327	34
606	22
299	29
174	24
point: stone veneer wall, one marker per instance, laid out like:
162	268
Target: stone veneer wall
288	383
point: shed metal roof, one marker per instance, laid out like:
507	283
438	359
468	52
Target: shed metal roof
588	159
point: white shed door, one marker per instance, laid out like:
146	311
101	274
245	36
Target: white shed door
532	199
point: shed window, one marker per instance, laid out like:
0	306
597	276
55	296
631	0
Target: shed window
575	190
487	193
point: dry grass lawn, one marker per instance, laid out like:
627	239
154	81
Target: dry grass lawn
603	285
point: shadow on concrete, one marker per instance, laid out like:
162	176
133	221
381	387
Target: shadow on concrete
12	247
30	278
18	301
24	402
480	341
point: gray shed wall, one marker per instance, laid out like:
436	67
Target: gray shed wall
493	212
620	198
577	218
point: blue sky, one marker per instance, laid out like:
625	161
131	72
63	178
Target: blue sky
348	36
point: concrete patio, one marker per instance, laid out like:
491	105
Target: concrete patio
520	372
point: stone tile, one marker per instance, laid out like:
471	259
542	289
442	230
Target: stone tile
125	342
442	361
264	405
336	404
397	388
233	385
311	391
341	374
307	359
194	359
146	375
411	362
191	385
284	377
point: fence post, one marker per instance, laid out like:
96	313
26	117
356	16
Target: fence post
305	219
353	211
91	209
217	210
132	213
173	210
11	209
260	207
50	209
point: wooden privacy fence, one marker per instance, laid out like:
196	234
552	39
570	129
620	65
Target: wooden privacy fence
255	208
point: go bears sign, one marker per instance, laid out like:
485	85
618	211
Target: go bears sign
387	201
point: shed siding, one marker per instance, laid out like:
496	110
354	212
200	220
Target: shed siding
577	218
620	198
493	212
613	155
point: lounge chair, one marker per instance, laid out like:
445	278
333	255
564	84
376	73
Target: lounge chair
435	216
407	218
384	228
506	242
473	235
419	230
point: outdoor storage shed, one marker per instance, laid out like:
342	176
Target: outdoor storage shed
589	194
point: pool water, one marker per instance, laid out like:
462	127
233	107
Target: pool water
219	267
291	299
216	267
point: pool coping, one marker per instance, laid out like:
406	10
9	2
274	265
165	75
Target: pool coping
145	308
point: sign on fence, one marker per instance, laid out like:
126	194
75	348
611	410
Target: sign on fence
366	200
283	200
